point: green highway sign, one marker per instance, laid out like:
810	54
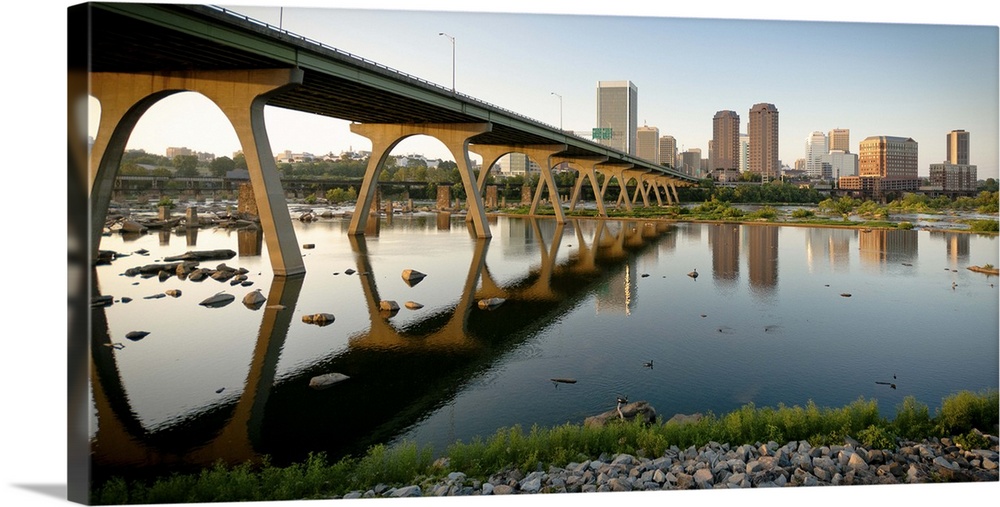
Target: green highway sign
603	133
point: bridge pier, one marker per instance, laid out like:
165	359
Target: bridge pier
616	171
539	153
241	95
586	167
385	137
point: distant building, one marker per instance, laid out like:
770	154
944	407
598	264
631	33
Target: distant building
726	141
648	144
618	109
816	149
839	139
183	151
517	164
744	153
886	164
838	163
954	178
668	151
691	162
958	147
763	129
287	157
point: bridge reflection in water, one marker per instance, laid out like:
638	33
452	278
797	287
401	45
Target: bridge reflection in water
399	374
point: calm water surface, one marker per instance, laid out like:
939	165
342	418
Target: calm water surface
766	321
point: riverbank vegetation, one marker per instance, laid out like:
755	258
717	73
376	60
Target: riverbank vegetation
961	416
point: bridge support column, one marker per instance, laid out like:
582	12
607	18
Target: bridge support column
539	153
241	95
649	181
586	167
385	137
616	171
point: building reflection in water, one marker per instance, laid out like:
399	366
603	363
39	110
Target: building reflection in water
724	239
876	247
956	246
762	257
829	246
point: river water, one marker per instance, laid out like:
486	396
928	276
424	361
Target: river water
776	315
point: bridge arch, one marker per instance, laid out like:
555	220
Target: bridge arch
241	95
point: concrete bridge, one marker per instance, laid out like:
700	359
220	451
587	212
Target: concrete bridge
129	56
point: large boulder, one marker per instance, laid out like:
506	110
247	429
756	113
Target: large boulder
629	411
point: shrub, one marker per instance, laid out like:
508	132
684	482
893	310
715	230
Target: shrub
984	226
912	419
877	437
972	440
802	213
964	411
905	226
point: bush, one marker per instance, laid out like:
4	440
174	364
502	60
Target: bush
905	226
802	213
913	419
964	411
876	437
972	440
984	226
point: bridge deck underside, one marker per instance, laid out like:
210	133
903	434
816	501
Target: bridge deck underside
203	38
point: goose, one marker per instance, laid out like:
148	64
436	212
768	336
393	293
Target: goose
648	364
694	274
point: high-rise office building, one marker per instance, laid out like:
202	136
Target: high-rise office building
763	131
668	151
958	147
617	109
839	139
816	148
691	162
726	141
647	145
744	152
888	157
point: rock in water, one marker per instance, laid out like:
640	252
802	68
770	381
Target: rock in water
218	300
136	335
413	305
412	277
254	299
327	380
174	293
490	303
388	306
320	319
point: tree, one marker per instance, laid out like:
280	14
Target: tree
186	165
220	166
240	160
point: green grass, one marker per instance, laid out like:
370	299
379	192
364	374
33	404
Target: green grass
406	463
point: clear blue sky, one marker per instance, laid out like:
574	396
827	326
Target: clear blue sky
860	73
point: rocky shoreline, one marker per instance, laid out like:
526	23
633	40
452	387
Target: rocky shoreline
722	466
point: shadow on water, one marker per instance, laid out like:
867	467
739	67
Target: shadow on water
399	375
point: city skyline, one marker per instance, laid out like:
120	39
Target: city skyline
911	99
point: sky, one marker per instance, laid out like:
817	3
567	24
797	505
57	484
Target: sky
874	78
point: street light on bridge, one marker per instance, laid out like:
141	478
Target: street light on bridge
560	110
452	39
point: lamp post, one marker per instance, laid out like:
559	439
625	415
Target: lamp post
560	110
452	39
